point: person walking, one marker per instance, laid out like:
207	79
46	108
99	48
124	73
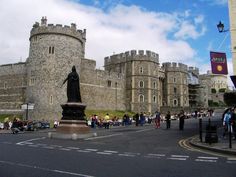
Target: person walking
168	120
227	122
158	119
181	120
233	122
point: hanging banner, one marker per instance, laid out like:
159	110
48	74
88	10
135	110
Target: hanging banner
218	63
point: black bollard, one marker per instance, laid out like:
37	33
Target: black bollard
200	129
230	137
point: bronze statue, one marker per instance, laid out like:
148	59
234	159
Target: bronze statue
73	86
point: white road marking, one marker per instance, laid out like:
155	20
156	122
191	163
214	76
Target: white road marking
230	161
203	160
101	137
231	158
181	156
93	150
64	149
44	169
56	146
211	158
173	158
104	153
29	141
107	151
82	151
157	155
127	155
73	148
132	153
48	147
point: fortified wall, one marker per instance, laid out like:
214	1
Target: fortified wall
101	89
12	85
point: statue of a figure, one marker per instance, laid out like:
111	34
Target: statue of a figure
73	86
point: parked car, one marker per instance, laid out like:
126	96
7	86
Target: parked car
36	125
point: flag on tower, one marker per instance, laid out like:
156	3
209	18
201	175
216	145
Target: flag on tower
218	63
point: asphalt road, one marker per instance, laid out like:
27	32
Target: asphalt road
117	152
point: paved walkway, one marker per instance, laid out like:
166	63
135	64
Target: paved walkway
222	146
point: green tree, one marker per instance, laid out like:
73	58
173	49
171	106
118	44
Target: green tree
213	90
222	90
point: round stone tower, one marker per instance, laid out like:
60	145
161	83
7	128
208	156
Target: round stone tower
143	79
175	85
54	49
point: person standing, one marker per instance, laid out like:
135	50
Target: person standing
181	120
168	120
136	119
158	119
107	118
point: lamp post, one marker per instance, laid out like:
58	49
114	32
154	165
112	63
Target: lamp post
221	29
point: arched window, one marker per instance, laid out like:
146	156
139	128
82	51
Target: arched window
154	85
51	99
141	98
154	99
174	80
175	90
141	84
140	70
175	102
108	83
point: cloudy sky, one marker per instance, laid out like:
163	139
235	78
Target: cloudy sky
178	30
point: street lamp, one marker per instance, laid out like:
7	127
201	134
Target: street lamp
221	29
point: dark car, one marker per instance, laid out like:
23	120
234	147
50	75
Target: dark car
37	125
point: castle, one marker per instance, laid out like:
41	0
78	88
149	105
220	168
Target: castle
133	81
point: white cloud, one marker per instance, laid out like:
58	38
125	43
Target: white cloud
188	30
199	19
118	29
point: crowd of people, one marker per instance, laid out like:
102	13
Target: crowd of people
139	119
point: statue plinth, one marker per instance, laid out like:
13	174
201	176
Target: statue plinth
73	120
73	111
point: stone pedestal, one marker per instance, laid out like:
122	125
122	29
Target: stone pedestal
73	124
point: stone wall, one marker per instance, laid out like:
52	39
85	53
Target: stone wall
175	85
102	89
12	85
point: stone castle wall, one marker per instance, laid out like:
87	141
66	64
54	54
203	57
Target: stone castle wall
139	66
101	89
175	85
12	85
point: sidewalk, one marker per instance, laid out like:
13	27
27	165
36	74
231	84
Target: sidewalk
221	147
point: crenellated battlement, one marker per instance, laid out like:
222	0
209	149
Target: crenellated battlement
194	70
132	55
168	66
45	28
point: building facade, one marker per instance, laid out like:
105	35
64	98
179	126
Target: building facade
133	81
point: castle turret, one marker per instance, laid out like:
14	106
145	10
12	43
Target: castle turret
175	85
143	83
54	49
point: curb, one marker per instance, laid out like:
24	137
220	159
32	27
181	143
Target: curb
223	151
